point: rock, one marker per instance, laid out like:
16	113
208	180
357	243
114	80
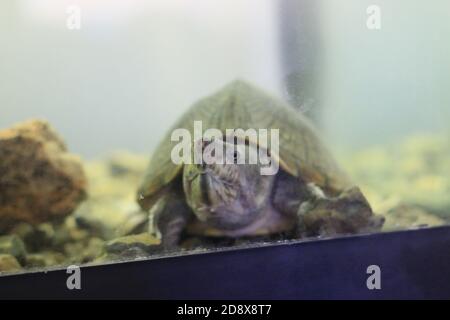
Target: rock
39	179
68	232
412	172
110	219
123	163
36	238
93	250
404	216
143	240
45	259
117	175
131	246
8	263
111	210
83	252
13	245
23	230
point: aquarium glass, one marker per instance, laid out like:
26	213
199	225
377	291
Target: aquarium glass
90	90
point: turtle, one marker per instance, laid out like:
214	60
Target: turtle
310	195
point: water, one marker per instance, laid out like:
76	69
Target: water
113	88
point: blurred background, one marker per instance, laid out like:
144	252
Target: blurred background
114	86
122	79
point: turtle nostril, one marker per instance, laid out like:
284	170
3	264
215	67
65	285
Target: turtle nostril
202	165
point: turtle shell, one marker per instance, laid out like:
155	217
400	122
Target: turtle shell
241	105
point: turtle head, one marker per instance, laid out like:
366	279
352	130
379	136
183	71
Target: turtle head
226	190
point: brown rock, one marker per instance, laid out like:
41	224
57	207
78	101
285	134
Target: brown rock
39	180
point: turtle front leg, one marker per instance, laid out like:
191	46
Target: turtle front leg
347	213
168	218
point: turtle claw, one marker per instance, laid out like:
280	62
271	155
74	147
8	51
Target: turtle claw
347	213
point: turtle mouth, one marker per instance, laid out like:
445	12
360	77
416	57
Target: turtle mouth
213	193
204	187
215	188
